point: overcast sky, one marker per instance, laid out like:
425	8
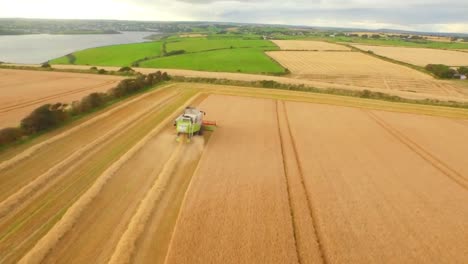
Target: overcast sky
422	15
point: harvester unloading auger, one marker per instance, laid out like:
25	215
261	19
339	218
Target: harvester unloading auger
191	123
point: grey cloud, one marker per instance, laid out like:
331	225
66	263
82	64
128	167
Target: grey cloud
407	14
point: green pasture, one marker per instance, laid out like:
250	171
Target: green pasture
245	60
117	55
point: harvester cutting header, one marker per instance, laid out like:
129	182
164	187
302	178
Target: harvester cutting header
191	123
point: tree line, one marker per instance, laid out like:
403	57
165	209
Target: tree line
50	116
446	72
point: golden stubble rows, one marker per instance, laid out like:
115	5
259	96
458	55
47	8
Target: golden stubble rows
22	91
309	45
360	70
419	56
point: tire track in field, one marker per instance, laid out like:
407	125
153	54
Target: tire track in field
46	79
310	206
47	242
45	178
30	151
127	243
438	164
288	189
463	122
46	98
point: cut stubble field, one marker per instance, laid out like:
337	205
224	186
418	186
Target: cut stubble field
437	93
419	56
309	45
279	181
23	91
365	71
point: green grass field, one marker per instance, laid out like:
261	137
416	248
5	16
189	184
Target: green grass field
204	54
201	44
246	60
117	55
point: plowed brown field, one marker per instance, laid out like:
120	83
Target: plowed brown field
419	56
287	177
361	70
22	91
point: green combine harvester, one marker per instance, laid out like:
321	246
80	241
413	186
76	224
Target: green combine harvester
191	123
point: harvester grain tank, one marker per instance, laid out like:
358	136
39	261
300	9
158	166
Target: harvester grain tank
191	123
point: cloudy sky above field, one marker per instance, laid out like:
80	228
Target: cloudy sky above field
423	15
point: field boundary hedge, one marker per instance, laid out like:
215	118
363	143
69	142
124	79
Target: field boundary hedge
91	70
368	94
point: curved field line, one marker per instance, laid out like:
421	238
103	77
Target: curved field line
127	243
35	81
438	164
47	242
30	151
36	211
26	191
42	99
288	187
317	230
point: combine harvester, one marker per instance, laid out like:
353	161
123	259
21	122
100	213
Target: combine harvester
191	123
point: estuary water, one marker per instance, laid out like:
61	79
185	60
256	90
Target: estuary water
40	48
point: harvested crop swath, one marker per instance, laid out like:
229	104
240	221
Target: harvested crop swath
308	45
419	56
377	199
42	211
153	244
38	162
357	69
236	209
100	226
23	91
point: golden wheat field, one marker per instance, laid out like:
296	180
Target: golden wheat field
361	70
286	177
309	45
419	56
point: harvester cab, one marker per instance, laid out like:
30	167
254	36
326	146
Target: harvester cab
191	123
